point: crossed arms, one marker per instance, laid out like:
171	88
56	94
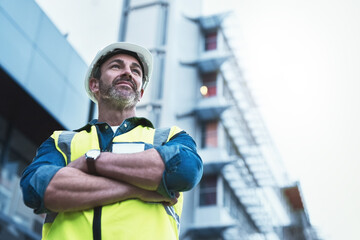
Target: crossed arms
50	186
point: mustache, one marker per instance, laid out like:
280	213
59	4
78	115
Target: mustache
125	79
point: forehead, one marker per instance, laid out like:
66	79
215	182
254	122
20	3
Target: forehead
127	59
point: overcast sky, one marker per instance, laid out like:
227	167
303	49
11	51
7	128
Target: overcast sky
302	60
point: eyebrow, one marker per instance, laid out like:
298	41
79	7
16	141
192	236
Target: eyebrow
134	64
119	61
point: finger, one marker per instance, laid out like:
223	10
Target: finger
173	201
170	202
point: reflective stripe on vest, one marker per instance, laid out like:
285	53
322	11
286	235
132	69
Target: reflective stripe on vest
170	210
78	225
64	144
161	136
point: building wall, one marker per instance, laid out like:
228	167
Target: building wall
40	59
42	90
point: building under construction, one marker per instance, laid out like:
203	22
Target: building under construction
197	84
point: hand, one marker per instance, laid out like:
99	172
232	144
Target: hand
151	196
173	200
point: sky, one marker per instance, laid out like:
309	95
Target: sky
302	61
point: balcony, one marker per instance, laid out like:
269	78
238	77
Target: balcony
208	61
210	108
210	221
214	159
211	22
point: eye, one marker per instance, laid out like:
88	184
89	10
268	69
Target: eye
137	71
116	66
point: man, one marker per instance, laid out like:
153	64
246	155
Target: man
117	177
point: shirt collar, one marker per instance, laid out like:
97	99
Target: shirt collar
133	121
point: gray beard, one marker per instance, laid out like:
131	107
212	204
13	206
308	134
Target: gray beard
117	98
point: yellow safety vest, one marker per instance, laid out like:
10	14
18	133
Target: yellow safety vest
130	219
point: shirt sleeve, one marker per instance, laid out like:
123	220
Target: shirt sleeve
39	173
183	166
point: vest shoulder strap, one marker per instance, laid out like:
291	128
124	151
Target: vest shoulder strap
161	136
62	142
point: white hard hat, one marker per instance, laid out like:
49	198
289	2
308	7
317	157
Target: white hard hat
143	54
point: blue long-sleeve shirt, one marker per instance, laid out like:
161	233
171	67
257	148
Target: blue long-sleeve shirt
183	166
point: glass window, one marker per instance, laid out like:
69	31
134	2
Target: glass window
210	40
209	134
208	88
16	152
208	188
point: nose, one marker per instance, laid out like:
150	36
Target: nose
126	71
125	74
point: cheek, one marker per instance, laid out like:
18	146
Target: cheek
107	78
138	84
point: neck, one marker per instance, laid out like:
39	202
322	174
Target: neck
114	117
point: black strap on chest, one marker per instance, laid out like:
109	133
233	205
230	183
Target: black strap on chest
97	223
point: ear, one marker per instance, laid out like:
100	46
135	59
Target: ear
141	93
94	85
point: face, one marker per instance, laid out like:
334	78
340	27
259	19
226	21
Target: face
120	82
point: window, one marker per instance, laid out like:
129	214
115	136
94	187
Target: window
208	188
210	40
16	152
209	134
208	88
